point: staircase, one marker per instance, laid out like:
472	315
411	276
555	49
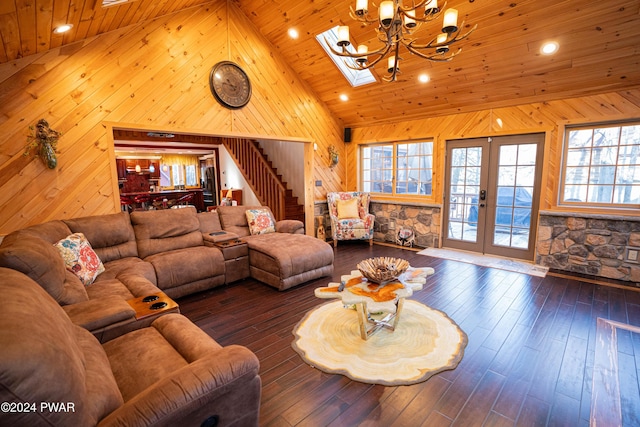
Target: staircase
264	179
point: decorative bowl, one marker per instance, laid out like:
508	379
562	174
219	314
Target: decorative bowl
382	269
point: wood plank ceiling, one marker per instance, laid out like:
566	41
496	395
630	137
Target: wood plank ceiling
500	65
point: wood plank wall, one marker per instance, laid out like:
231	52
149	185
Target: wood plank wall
548	117
152	76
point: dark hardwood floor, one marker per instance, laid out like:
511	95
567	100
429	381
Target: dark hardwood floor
529	360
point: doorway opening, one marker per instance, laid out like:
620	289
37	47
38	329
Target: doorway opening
297	162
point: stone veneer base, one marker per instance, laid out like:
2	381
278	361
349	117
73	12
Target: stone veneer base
590	244
582	244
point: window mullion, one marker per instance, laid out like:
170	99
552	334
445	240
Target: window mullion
394	172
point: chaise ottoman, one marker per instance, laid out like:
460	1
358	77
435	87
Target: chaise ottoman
284	258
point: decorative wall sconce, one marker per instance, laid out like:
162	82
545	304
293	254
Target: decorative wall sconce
333	157
44	139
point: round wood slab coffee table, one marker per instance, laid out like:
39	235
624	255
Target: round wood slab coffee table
378	306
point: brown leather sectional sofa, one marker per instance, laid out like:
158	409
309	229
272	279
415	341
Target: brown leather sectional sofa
166	253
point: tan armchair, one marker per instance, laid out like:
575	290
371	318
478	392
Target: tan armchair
350	217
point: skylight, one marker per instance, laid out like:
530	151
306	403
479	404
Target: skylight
354	77
107	3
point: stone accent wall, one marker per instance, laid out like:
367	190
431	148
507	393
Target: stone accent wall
594	245
424	220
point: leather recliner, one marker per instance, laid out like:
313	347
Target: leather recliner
53	372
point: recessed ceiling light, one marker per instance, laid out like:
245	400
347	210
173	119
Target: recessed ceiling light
549	48
344	97
62	28
423	78
293	33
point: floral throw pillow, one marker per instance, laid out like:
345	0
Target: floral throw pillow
80	258
260	221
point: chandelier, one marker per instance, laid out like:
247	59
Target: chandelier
396	24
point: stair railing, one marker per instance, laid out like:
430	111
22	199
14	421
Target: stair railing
260	176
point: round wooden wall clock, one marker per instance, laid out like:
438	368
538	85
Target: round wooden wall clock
230	85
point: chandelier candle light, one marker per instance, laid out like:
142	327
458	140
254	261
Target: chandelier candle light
396	24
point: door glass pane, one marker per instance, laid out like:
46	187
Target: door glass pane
516	176
525	175
524	200
502	236
507	175
521	218
527	154
464	188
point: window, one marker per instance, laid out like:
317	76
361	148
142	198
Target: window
191	175
165	176
179	171
602	165
178	175
401	168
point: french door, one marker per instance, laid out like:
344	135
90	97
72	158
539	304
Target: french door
492	194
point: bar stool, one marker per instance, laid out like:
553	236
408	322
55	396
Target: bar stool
125	203
183	201
142	200
160	202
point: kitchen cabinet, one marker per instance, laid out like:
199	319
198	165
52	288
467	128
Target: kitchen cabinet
121	167
132	163
129	165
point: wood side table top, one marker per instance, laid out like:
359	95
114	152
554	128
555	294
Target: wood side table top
229	243
145	308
